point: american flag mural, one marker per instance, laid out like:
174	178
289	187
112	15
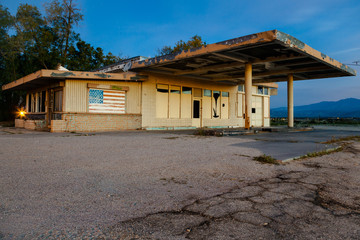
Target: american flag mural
106	101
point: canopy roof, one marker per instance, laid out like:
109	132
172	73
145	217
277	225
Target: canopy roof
273	54
46	77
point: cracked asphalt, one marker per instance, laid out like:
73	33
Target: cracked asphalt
141	185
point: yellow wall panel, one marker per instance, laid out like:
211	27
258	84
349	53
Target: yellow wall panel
206	107
76	95
186	106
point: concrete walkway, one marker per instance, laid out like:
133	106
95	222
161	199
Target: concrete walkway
286	145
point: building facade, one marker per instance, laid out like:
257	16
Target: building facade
222	85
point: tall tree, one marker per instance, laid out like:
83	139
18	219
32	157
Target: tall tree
63	15
30	41
193	42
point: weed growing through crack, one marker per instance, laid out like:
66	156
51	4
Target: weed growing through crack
266	159
336	140
322	153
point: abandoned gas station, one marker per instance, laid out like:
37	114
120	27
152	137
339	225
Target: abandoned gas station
222	85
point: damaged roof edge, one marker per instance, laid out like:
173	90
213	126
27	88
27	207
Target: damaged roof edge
261	37
293	42
56	74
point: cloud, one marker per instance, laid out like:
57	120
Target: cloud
349	50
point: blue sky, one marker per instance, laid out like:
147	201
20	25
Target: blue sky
132	28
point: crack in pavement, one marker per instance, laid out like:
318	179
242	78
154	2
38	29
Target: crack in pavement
288	205
320	200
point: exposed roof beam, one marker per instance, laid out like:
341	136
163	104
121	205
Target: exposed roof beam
277	59
287	71
280	72
210	68
234	58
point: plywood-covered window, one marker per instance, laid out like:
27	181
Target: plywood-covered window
107	101
186	105
240	103
206	102
174	101
266	107
216	104
162	100
224	105
58	101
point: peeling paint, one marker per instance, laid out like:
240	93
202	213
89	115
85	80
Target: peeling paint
286	38
64	74
323	56
238	40
116	87
102	75
348	69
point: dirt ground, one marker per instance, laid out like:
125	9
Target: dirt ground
145	185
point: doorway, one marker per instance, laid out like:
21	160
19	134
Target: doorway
197	113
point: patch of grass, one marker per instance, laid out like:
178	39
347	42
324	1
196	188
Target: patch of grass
266	159
203	132
322	153
348	138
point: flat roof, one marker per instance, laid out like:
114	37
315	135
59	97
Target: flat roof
273	54
47	77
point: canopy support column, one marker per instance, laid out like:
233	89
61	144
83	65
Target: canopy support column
290	96
248	94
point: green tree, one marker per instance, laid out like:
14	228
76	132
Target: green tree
63	16
193	42
30	41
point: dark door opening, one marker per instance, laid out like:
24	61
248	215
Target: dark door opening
196	109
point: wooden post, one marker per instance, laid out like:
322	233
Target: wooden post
290	95
248	94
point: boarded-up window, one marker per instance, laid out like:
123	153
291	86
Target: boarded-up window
197	92
206	110
162	100
174	102
224	105
266	107
38	103
58	99
186	102
106	101
33	102
216	104
240	109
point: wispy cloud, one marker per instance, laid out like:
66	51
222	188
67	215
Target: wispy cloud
347	50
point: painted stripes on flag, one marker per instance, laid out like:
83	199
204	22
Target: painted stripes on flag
106	101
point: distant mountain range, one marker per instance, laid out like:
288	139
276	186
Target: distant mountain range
345	108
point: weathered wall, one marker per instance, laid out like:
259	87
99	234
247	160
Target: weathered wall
35	125
91	122
76	95
149	102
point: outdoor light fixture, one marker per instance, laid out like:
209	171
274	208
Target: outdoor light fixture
21	113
